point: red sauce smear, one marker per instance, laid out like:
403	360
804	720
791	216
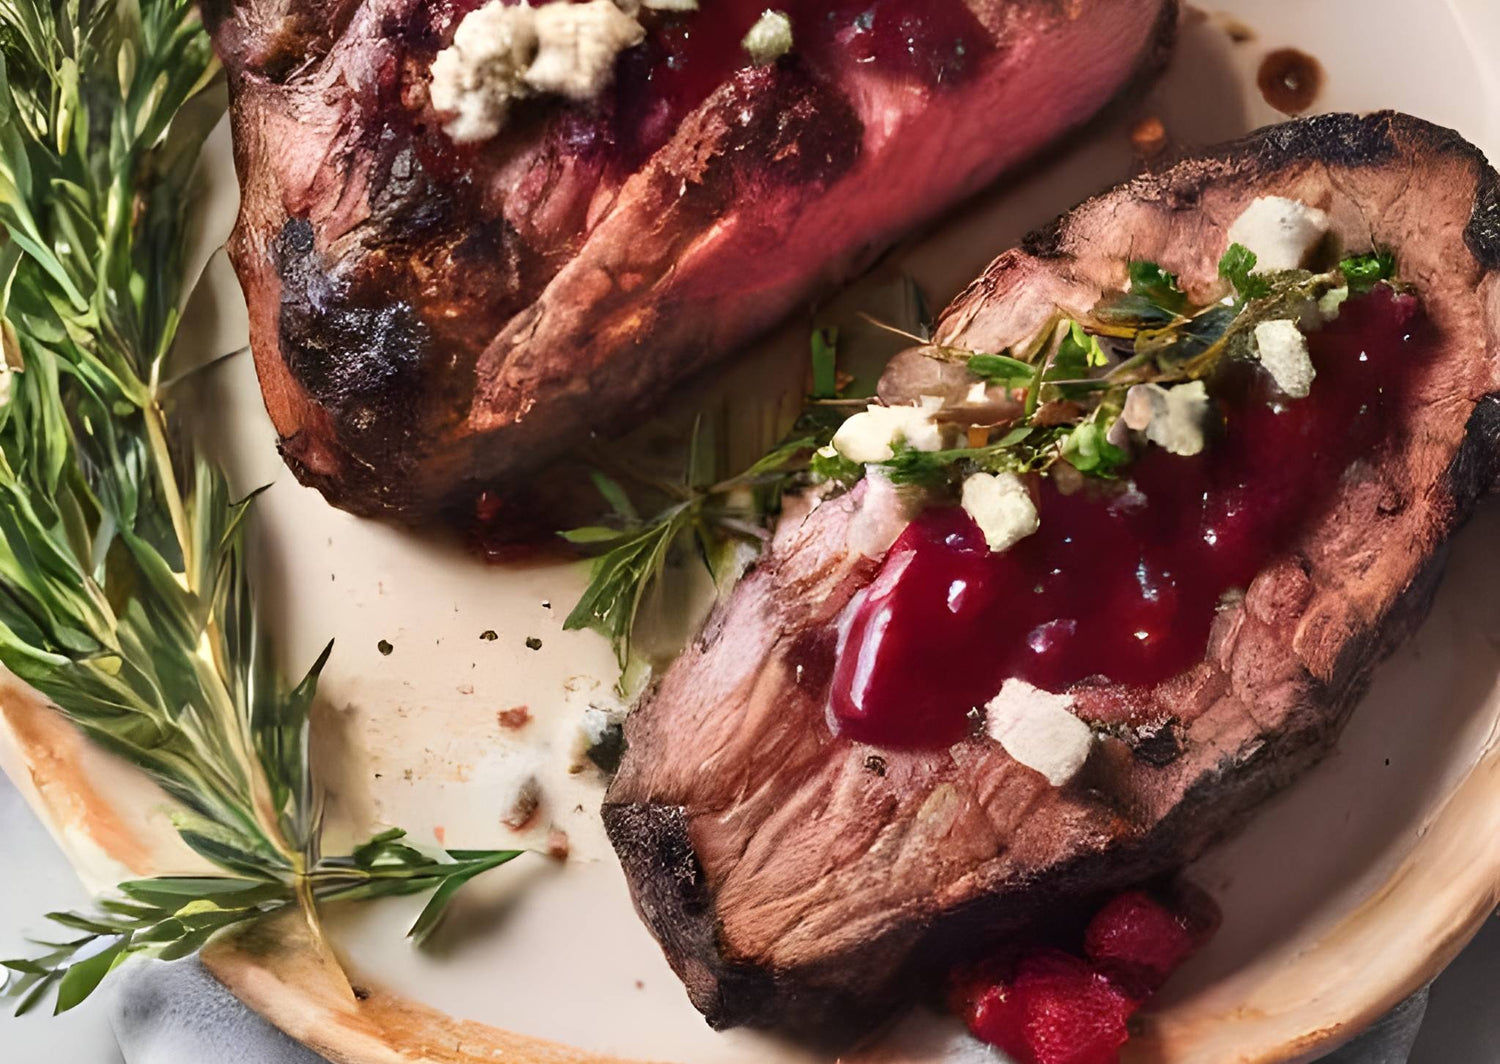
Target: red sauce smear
1120	585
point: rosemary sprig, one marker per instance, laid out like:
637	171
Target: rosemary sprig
124	596
631	555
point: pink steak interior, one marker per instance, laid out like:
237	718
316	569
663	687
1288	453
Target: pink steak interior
1120	584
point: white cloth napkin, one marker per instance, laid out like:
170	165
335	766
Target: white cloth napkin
178	1014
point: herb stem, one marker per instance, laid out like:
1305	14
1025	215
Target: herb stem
161	456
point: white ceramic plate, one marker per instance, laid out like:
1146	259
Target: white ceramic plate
1346	893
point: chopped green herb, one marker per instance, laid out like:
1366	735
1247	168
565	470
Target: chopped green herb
835	468
1152	299
1237	266
1087	450
1150	281
1078	353
615	495
1001	370
1364	272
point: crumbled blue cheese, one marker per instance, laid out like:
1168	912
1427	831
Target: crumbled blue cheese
870	436
1282	232
1282	349
1171	418
502	53
1001	506
1039	730
476	78
577	45
770	38
1330	303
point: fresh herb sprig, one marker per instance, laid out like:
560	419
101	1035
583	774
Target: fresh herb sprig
124	594
1072	379
724	520
173	917
717	519
1079	371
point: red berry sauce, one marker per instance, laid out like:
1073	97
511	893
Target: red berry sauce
1120	584
686	57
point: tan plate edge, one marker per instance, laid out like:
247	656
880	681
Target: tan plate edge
274	969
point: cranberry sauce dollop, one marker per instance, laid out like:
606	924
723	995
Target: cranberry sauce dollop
1121	582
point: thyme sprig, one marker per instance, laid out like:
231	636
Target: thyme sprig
1071	378
1080	370
124	593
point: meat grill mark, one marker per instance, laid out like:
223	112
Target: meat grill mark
357	357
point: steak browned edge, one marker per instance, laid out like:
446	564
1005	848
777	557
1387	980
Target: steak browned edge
791	886
432	320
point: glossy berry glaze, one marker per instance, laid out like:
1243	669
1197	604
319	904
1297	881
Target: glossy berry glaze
687	55
1121	582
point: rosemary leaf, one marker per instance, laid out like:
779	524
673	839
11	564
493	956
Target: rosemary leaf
432	913
124	592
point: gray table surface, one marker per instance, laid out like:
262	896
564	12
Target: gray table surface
176	1014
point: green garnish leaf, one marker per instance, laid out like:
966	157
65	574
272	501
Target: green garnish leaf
907	465
1150	281
1153	299
613	494
835	468
1087	450
632	561
437	905
1364	272
1001	370
1236	267
1070	372
82	978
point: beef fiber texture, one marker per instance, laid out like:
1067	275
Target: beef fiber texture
791	883
431	320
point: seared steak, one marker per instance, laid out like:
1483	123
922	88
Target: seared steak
431	319
796	877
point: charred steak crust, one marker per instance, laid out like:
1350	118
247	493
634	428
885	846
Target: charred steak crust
848	891
548	285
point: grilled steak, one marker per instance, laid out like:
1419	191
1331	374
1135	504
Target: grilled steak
430	319
795	876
